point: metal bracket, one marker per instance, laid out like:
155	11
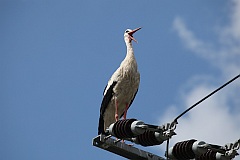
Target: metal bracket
123	149
231	149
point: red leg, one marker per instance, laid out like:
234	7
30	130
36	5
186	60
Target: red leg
116	110
125	112
125	115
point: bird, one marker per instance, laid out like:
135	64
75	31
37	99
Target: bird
121	88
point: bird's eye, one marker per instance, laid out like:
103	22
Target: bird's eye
126	31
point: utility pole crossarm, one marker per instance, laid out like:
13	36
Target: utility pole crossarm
123	149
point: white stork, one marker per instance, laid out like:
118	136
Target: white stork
121	88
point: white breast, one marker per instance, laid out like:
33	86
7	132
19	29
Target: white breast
127	85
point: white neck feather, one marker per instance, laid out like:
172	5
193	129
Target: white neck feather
129	60
130	53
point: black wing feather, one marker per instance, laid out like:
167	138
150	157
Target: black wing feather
106	99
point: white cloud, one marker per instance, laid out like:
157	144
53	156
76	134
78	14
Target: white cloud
226	55
217	119
232	29
190	41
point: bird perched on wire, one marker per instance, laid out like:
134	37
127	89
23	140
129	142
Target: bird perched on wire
121	88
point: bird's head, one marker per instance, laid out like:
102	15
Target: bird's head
128	34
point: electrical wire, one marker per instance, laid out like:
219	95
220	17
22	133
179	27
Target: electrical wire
221	87
200	101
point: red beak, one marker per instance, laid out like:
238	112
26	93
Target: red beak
132	32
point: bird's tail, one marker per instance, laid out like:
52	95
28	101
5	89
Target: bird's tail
101	125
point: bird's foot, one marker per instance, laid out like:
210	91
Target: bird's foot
116	117
117	140
106	137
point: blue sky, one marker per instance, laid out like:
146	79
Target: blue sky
57	56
